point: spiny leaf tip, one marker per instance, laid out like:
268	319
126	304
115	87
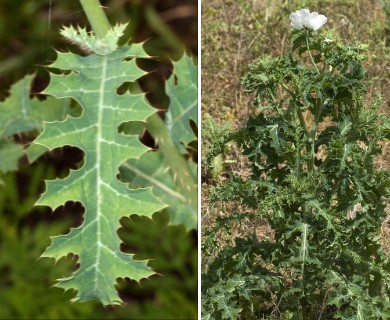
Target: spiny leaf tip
101	46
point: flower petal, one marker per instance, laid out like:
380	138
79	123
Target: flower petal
305	14
298	17
296	23
317	22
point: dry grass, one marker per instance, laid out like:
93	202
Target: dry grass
237	33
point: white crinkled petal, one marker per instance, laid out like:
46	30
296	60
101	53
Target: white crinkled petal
298	17
317	21
305	14
296	22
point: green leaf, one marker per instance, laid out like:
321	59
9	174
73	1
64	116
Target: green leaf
92	81
343	161
152	170
304	250
19	113
182	89
229	309
321	212
34	151
273	130
232	284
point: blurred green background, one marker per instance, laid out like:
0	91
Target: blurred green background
28	36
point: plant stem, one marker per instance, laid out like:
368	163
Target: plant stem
312	148
96	17
298	111
316	116
302	121
311	57
318	111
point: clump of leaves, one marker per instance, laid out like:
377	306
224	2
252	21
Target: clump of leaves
311	148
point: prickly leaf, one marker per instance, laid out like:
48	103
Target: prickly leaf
20	114
152	170
182	89
92	81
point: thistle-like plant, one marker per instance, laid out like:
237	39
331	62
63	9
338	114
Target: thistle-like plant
119	176
311	147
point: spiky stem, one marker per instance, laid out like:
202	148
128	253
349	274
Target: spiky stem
96	17
311	57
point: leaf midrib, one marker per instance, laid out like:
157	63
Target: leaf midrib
99	141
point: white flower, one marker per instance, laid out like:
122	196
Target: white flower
299	17
305	18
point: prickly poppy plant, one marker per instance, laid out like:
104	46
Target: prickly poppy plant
311	147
